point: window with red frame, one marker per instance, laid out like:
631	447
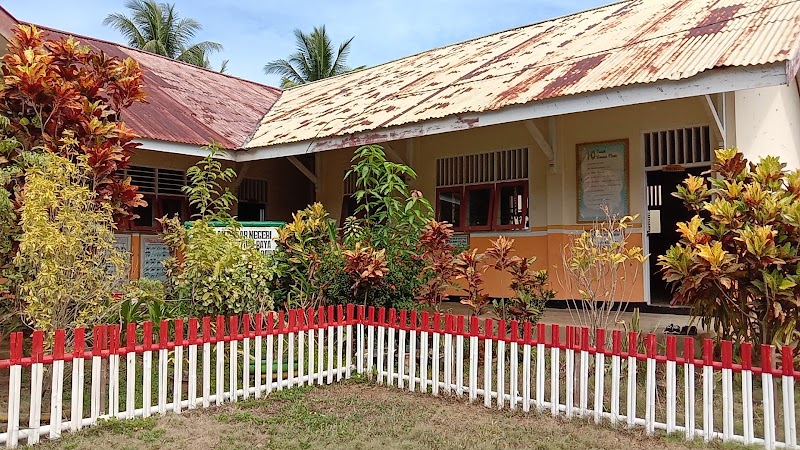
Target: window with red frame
478	202
488	191
448	206
512	205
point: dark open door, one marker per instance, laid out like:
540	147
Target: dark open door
664	212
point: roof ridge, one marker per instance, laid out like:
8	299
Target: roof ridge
413	55
105	41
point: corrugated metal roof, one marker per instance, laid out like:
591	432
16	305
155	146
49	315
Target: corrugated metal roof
188	104
634	42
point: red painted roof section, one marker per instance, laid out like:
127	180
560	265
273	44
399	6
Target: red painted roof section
185	103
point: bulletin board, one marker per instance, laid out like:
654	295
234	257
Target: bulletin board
603	179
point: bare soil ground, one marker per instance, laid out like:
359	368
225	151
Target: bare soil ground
360	416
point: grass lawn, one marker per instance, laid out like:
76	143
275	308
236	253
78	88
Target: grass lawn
359	415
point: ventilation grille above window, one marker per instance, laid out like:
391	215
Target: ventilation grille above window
505	165
682	146
254	191
144	177
157	181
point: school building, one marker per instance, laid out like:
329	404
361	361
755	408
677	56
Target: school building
523	133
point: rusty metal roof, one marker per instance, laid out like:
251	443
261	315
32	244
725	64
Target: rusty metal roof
633	42
188	104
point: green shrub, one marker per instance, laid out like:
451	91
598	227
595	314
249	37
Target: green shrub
374	261
306	250
214	271
146	300
66	261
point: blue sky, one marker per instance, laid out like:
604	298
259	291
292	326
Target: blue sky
257	31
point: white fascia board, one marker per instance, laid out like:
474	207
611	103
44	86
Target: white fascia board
182	149
726	79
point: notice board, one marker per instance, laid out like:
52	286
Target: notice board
153	251
603	179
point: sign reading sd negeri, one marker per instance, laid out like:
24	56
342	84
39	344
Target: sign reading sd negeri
264	237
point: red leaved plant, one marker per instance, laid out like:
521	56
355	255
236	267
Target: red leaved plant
437	254
63	97
366	266
470	268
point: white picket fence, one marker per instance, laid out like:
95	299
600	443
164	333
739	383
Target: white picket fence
521	367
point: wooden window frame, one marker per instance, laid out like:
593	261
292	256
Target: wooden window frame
157	210
461	213
465	201
526	199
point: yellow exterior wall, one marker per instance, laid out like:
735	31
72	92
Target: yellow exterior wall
768	123
552	206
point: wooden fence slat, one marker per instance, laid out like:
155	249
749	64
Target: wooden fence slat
460	356
630	399
708	390
689	384
768	397
412	351
555	369
526	368
501	363
599	373
435	358
616	351
401	354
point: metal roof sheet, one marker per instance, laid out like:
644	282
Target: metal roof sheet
633	42
188	104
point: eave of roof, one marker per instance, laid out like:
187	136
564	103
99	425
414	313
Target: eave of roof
631	43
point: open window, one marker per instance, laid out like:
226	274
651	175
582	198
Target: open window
478	202
252	195
488	191
162	189
448	206
512	205
158	207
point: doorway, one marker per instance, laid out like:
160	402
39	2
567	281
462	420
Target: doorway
664	212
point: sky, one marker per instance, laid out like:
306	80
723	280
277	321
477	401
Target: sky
254	32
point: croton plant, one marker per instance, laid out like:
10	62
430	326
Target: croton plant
737	262
63	97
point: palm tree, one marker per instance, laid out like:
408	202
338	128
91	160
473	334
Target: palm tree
157	28
314	59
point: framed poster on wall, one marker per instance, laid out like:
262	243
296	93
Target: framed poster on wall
153	252
603	179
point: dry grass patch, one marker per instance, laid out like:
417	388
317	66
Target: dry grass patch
359	416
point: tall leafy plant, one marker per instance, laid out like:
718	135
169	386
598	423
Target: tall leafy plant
390	214
530	287
214	269
390	217
66	260
438	257
737	264
61	96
